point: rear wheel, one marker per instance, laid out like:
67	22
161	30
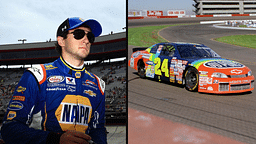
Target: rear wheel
141	69
191	79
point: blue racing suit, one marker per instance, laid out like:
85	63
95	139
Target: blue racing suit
52	98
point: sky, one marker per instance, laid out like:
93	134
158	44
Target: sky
38	20
163	5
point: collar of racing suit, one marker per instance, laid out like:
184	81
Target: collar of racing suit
68	69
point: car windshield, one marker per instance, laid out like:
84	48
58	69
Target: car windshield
192	51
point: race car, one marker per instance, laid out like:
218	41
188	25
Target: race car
193	65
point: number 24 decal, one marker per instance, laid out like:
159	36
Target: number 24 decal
161	68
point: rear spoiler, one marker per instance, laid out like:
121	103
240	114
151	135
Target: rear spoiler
139	49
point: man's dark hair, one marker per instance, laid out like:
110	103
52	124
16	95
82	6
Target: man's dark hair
57	46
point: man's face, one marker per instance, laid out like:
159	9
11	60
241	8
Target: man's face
74	48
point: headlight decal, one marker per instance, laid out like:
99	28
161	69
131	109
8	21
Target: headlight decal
219	75
249	73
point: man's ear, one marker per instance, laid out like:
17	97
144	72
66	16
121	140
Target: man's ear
61	41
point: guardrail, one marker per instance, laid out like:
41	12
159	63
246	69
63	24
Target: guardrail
187	16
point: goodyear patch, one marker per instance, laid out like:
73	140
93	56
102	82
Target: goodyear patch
15	106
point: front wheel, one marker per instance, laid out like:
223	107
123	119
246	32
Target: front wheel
141	69
191	79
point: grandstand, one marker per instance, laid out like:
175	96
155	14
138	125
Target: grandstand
8	80
114	75
105	48
222	7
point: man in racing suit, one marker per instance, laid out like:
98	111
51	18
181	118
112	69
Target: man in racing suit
60	102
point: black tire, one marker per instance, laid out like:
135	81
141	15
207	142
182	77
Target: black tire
141	69
191	79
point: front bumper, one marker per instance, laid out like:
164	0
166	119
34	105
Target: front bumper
226	85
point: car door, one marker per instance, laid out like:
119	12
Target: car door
163	62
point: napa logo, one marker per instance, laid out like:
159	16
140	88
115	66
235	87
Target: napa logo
77	114
74	113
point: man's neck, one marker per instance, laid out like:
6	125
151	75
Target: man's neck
75	63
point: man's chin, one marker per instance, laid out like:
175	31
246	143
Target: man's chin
82	57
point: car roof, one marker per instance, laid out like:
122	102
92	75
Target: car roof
182	44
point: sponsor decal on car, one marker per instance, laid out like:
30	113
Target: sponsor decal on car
235	71
223	64
217	63
210	88
203	72
215	81
136	54
146	56
150	62
150	71
132	62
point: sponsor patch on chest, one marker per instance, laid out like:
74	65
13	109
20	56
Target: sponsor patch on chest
74	113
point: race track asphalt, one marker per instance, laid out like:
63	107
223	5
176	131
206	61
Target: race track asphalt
232	116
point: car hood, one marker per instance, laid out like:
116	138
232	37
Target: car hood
220	65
